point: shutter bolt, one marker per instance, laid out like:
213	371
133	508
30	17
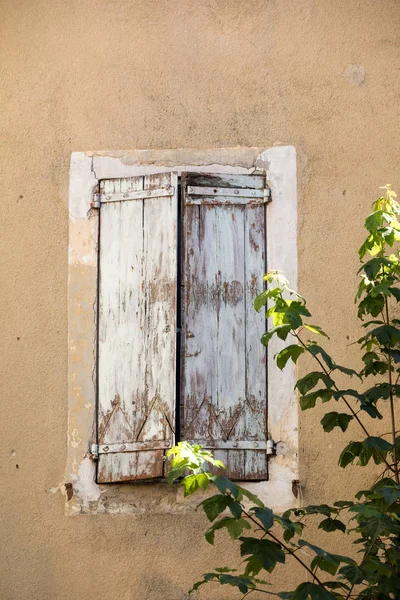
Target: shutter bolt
236	192
106	448
123	447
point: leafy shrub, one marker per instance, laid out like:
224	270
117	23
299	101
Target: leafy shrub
373	516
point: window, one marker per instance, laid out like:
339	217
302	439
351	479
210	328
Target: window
164	342
185	365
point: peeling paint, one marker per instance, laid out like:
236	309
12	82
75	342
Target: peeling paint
279	164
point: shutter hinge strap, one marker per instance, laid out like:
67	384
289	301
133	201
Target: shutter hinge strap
99	198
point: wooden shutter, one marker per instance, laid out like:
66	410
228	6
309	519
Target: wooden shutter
137	326
223	361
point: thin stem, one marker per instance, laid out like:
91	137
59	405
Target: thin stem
258	590
392	414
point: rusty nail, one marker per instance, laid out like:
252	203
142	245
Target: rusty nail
123	447
236	192
106	448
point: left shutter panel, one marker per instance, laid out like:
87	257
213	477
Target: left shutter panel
137	326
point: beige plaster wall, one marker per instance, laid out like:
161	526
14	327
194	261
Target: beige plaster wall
320	75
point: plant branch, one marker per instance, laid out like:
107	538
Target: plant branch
392	413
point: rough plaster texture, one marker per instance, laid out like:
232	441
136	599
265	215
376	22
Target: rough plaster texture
322	76
87	169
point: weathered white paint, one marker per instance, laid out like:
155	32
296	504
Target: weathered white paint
137	325
279	164
224	263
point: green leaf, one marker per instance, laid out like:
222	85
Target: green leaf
282	331
195	482
215	505
343	504
386	335
260	301
234	526
315	349
294	312
395	292
310	380
290	528
372	447
242	582
394	354
318	509
352	573
371	306
375	220
266	516
345	370
378	443
332	525
316	329
267	553
335	419
310	590
293	352
225	485
374	265
250	496
310	399
325	560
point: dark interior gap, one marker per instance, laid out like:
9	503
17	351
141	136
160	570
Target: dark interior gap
266	320
178	386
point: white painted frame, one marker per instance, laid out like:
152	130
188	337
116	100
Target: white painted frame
87	169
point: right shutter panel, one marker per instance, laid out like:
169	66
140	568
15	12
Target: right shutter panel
224	362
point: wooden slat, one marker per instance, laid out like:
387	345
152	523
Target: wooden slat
224	366
224	180
137	327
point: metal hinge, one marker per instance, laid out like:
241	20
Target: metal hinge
96	202
94	451
226	196
271	447
99	199
97	449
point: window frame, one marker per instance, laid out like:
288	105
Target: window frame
87	169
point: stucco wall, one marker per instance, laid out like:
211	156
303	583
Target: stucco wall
320	75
